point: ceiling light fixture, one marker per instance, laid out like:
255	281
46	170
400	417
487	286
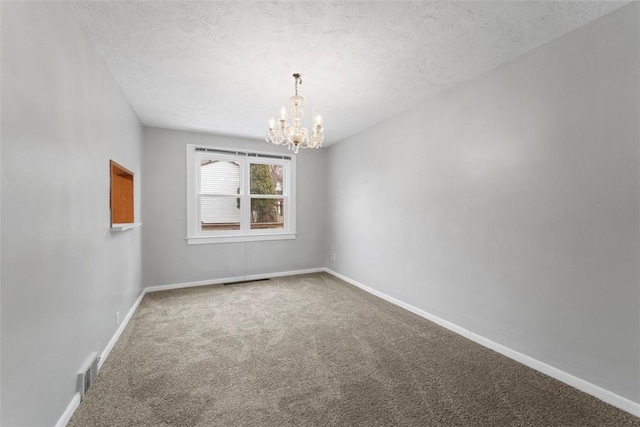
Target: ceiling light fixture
293	135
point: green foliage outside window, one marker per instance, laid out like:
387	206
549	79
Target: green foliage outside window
262	182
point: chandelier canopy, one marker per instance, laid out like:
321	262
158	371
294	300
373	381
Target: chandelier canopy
292	134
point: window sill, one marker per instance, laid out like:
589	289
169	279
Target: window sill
206	240
123	227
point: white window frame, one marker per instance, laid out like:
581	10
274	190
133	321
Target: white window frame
195	235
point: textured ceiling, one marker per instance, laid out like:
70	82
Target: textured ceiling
225	67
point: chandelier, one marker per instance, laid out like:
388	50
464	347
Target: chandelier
292	134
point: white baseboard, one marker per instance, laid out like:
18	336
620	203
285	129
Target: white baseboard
582	385
114	339
66	415
585	386
232	279
75	401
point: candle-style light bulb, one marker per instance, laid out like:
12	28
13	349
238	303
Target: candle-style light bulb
272	123
318	119
283	114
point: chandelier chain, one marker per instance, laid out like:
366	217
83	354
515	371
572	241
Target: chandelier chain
298	81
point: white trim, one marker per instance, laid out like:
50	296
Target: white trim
582	385
205	240
116	336
127	226
195	236
231	279
585	386
66	415
75	401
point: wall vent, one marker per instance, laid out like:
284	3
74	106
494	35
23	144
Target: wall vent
244	281
88	374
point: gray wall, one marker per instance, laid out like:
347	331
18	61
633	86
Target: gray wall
509	204
167	259
64	274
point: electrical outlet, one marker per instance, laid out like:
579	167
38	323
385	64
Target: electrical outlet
117	318
333	256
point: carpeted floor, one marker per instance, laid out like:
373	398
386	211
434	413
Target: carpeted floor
314	351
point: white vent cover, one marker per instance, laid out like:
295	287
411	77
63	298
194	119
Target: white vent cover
88	374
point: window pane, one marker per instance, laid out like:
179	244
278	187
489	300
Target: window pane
267	179
267	213
219	213
219	177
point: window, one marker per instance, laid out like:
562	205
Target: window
239	196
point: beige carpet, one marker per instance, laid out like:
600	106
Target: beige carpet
314	351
